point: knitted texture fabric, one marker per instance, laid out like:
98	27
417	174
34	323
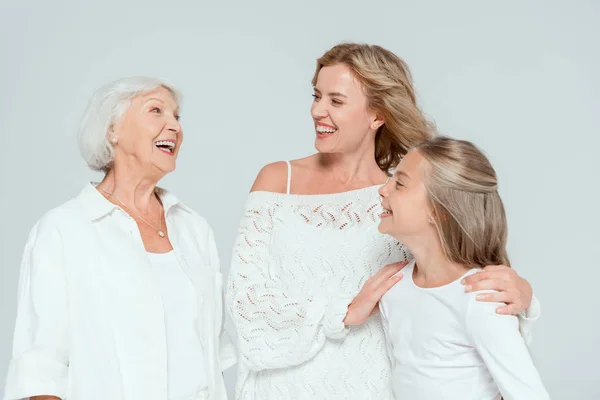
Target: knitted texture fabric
298	261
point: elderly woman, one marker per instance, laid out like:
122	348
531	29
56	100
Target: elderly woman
120	289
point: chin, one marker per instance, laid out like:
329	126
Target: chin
321	148
329	145
388	228
165	169
382	228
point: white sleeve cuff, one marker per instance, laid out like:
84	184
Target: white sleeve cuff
534	311
527	319
34	374
333	320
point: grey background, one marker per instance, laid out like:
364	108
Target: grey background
520	78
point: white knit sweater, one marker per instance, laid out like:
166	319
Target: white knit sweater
298	262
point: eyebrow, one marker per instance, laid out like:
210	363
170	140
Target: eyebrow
332	94
157	99
398	174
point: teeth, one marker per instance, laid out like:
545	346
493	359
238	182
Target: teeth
165	145
322	129
169	144
386	212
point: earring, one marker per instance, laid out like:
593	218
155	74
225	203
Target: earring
430	220
114	139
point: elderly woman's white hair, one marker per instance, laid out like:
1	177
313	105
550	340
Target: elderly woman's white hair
106	106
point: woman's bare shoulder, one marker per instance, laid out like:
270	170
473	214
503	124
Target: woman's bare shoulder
271	178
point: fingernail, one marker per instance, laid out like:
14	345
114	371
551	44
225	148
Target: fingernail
468	288
480	297
500	311
463	281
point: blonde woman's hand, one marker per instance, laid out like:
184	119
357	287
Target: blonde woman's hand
511	289
365	303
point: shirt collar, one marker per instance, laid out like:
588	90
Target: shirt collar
97	206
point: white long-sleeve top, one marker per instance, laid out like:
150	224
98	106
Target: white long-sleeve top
298	261
90	319
446	345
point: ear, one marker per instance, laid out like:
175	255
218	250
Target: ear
432	215
435	216
377	122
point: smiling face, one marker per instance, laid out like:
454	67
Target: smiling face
343	122
407	209
149	133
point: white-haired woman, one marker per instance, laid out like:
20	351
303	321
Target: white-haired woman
120	289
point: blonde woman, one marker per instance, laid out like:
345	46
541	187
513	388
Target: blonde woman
120	287
308	241
443	204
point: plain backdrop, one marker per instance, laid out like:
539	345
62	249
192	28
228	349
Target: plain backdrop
519	78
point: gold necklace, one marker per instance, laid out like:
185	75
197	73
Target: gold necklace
158	230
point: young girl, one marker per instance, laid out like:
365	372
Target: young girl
308	241
443	204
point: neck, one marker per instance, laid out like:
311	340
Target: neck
432	266
135	190
358	166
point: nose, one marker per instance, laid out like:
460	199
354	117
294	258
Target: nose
383	190
173	124
319	109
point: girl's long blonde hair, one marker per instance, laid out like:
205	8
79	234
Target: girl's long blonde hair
468	211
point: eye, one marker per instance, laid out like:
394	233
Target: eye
316	96
399	184
155	110
177	117
336	102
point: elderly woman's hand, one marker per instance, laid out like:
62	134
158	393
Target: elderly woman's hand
512	290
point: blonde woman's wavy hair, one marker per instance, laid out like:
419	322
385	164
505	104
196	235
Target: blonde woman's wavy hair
468	211
389	89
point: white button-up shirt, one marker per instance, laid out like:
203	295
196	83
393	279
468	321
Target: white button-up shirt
90	320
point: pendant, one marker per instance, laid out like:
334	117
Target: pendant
161	234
